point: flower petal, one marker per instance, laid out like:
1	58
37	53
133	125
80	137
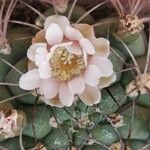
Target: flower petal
60	20
104	65
30	80
32	50
73	34
92	75
90	95
92	71
87	46
54	34
40	56
102	47
86	30
85	57
31	65
106	81
49	88
66	97
74	48
45	70
39	37
55	102
76	85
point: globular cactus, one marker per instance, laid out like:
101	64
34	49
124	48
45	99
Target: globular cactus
104	63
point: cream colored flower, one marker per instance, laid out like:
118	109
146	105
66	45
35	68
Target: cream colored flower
70	62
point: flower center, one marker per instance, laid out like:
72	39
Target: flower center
131	23
66	65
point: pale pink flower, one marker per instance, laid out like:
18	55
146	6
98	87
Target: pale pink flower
8	124
69	61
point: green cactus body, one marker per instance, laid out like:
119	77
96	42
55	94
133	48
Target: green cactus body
137	45
108	103
127	78
94	147
80	136
41	115
140	123
117	62
56	139
20	39
137	144
13	144
62	115
4	93
105	134
102	27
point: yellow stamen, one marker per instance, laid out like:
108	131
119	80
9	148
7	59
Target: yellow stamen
66	65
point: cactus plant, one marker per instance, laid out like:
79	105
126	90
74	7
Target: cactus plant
69	84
